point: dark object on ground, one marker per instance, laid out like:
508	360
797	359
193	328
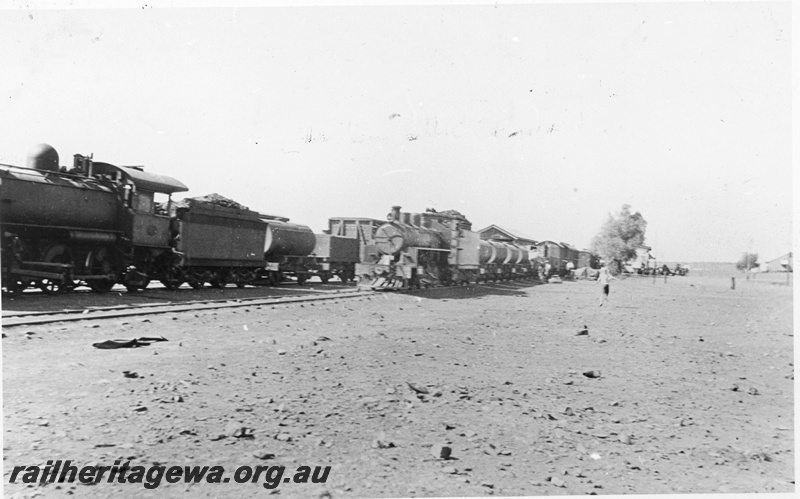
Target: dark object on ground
134	343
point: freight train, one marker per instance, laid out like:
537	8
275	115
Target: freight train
98	225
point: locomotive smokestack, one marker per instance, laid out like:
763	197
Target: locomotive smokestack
43	157
394	214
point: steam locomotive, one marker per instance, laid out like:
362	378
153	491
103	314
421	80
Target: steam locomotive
439	248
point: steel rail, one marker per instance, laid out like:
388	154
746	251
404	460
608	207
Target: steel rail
139	310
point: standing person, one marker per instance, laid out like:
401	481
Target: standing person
603	279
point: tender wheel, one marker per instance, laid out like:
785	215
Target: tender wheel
196	278
302	278
220	279
244	277
275	278
173	278
324	277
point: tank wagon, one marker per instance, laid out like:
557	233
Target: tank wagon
431	248
93	224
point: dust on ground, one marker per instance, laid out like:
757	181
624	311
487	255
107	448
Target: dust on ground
684	386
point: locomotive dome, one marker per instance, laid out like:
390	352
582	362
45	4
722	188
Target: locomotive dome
43	157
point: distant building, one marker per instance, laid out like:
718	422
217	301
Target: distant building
512	235
780	264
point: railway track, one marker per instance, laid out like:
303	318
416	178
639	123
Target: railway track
30	318
15	319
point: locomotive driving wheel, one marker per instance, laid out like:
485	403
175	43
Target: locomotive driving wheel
14	286
101	261
58	253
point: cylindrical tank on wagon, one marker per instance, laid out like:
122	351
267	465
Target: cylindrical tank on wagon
43	157
288	239
493	252
524	255
394	237
514	254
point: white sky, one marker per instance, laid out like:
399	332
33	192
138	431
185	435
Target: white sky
682	110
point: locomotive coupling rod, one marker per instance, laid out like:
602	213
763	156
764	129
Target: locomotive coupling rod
36	273
47	265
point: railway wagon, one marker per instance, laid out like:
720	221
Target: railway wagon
361	229
569	254
94	224
288	249
335	255
502	260
554	254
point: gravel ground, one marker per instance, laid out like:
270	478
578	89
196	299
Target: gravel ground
677	387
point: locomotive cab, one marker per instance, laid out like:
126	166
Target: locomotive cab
140	222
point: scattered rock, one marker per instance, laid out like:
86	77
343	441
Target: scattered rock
141	408
417	388
441	451
592	374
625	438
382	444
263	455
243	432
